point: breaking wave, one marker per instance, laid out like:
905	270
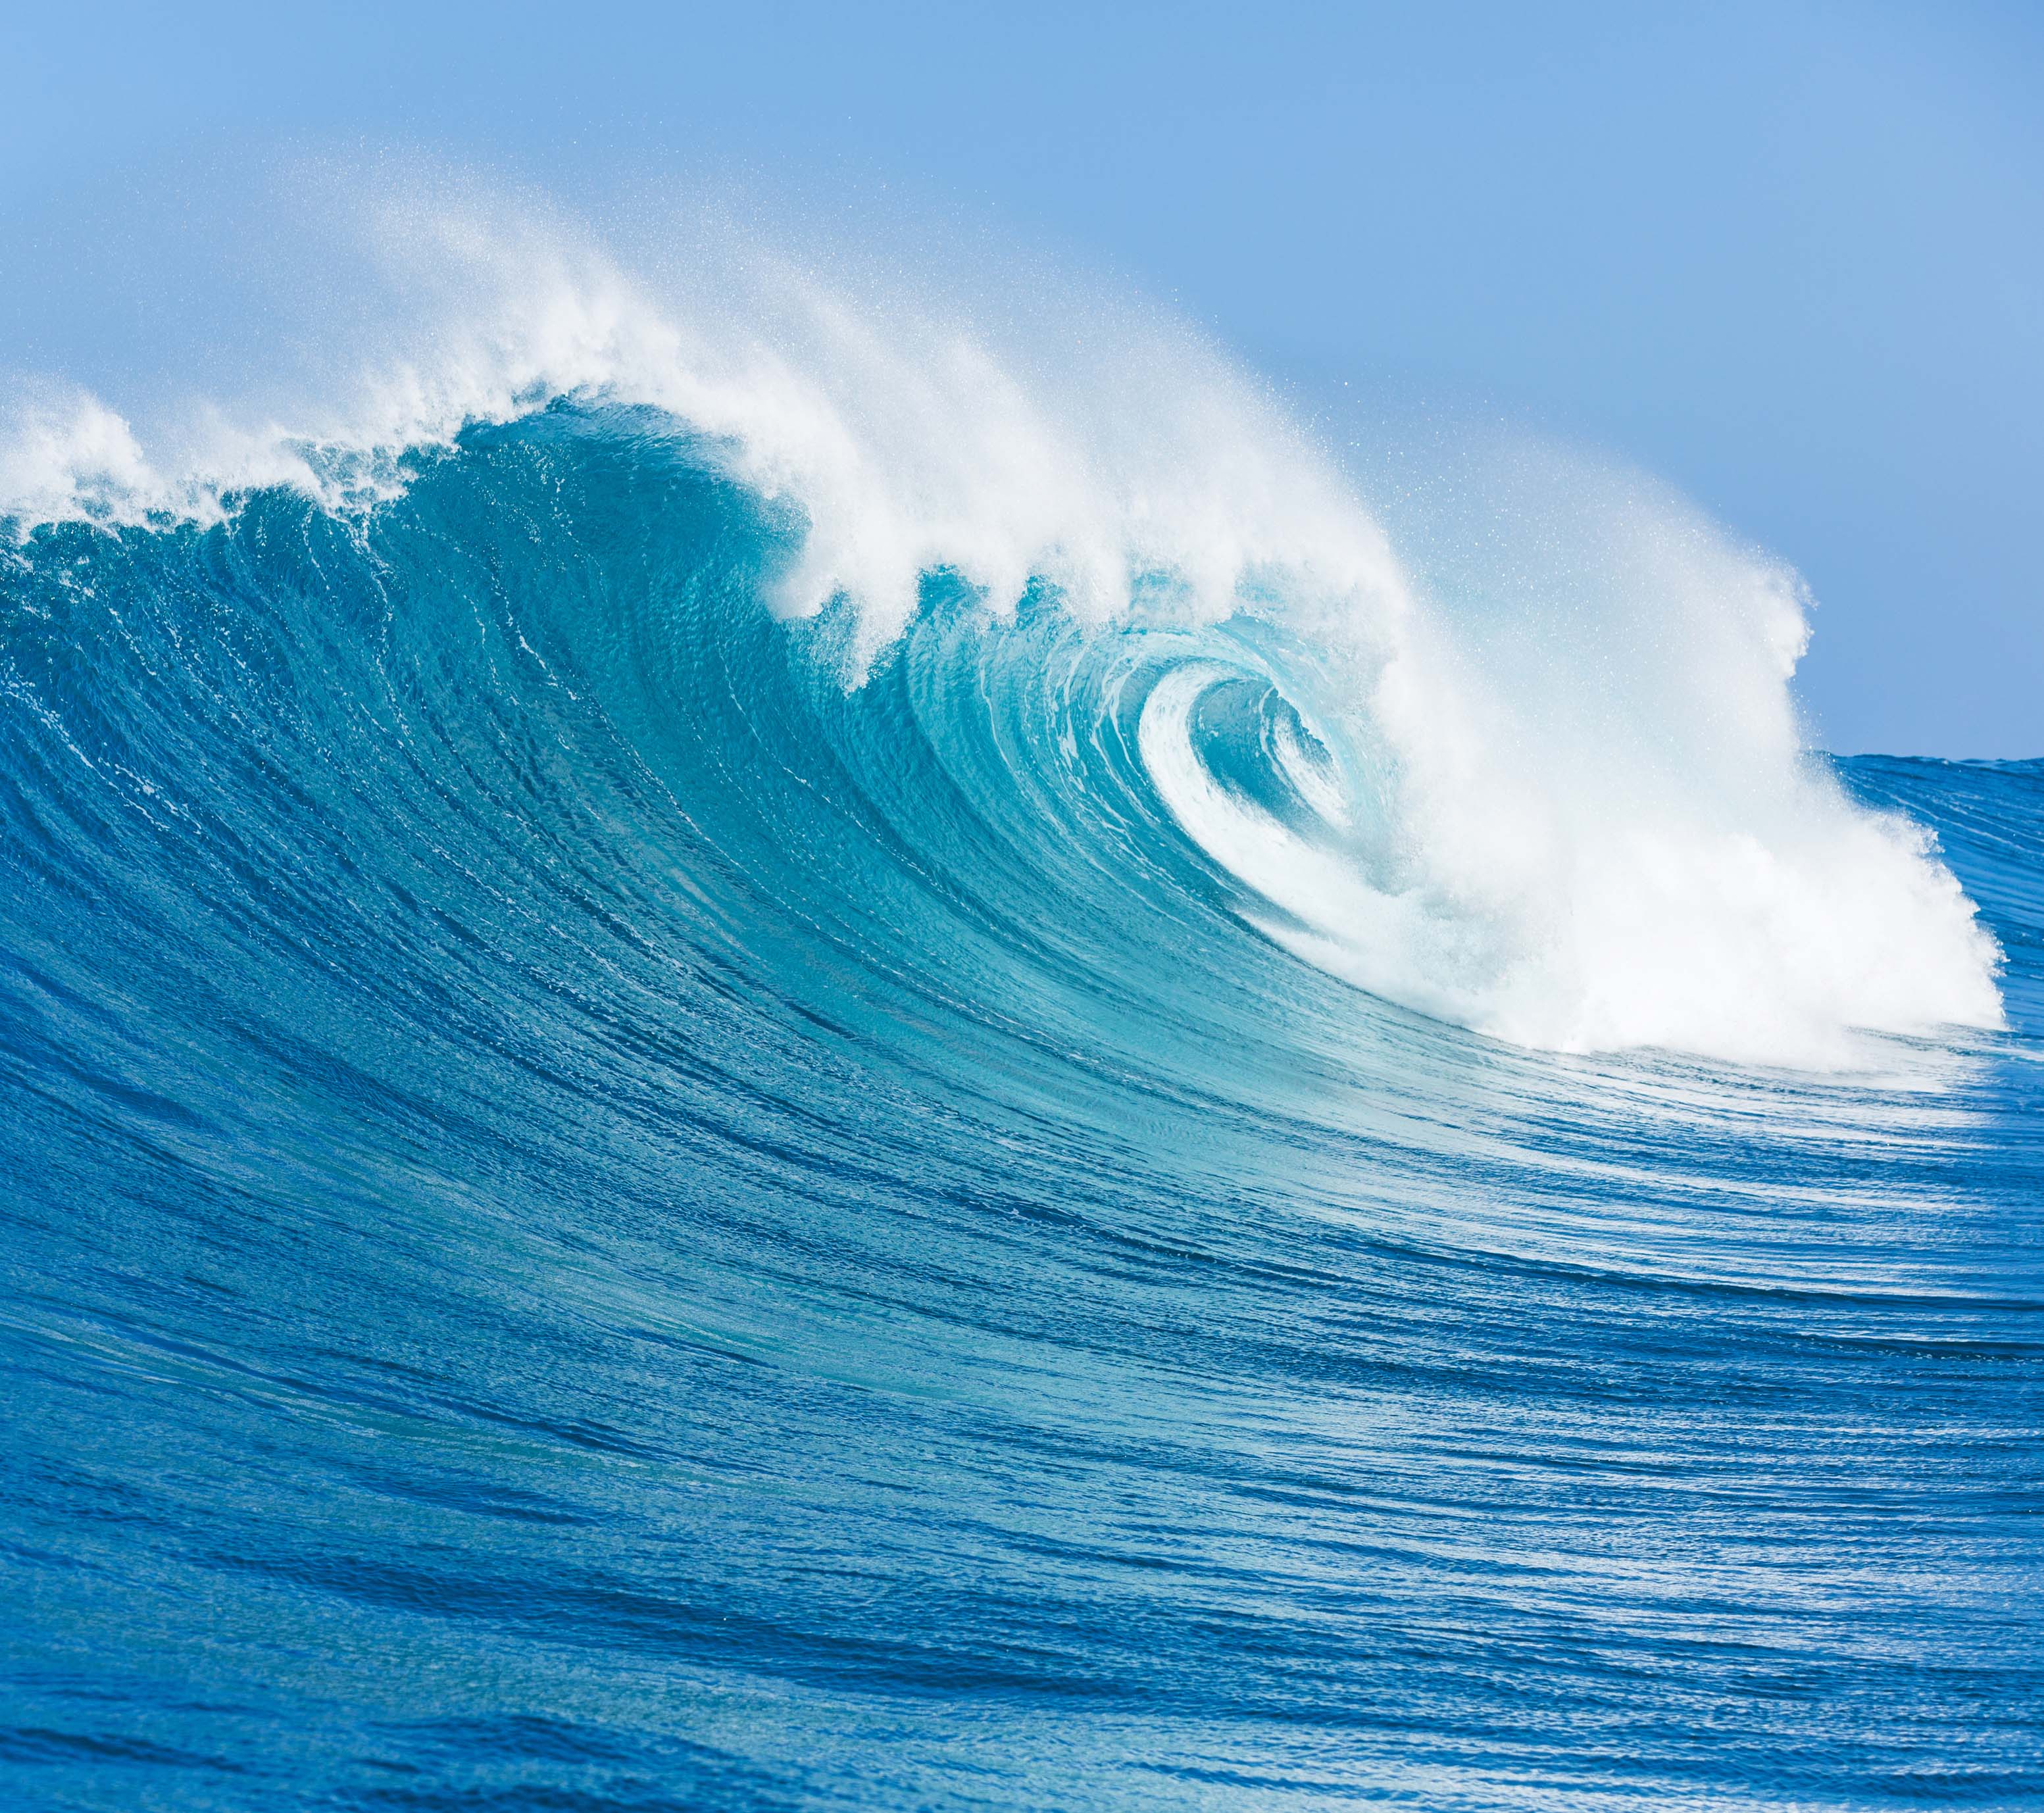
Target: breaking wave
768	1036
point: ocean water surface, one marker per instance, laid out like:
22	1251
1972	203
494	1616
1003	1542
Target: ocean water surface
773	1058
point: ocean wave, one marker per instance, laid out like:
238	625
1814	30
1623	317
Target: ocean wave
1586	824
766	1047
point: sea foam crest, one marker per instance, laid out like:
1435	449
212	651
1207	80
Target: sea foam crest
1592	824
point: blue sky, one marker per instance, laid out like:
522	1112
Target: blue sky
1790	257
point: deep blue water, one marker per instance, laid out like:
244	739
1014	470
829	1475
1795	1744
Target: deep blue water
593	1218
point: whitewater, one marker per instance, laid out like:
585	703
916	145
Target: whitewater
776	1036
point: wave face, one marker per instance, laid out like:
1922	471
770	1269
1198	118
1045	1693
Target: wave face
742	1076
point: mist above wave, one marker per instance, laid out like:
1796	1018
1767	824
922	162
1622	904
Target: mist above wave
1565	798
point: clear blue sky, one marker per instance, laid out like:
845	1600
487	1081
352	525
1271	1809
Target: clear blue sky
1790	256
